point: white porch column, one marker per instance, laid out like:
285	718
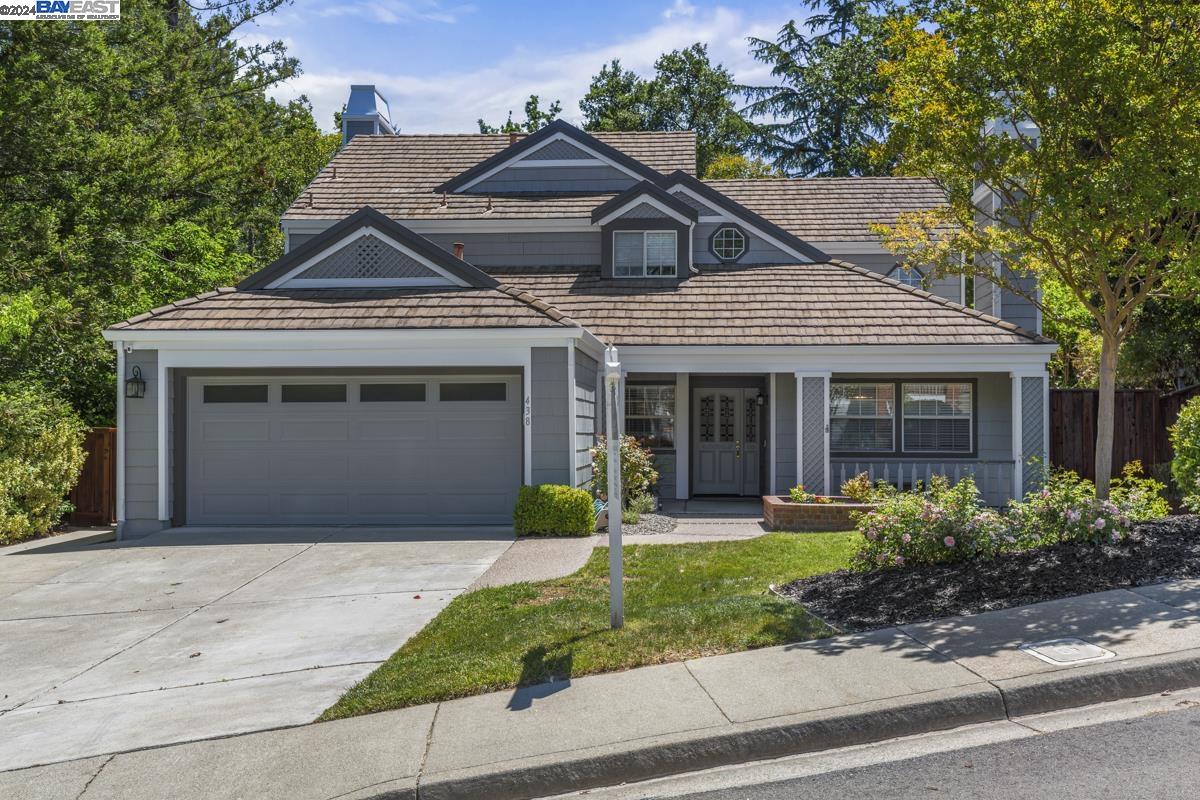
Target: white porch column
812	431
683	434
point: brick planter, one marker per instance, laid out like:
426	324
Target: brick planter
781	514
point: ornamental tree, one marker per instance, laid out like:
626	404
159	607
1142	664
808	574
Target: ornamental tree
1082	119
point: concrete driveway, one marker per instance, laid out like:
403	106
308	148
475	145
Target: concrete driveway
195	633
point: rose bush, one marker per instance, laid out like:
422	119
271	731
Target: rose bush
637	469
944	523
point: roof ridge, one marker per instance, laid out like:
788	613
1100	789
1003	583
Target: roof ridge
537	304
972	312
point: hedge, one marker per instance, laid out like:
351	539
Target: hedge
551	510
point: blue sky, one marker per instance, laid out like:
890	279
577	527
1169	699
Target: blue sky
442	63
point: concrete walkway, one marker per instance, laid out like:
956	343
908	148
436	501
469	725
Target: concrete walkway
606	729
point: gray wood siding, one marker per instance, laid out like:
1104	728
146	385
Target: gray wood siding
297	239
784	411
587	382
551	442
525	249
551	180
758	251
141	447
664	463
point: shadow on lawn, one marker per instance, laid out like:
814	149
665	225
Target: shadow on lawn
542	675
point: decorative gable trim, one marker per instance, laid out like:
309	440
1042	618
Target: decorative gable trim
732	211
444	268
295	277
557	131
645	193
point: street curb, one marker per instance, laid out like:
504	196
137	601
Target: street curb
712	747
1100	683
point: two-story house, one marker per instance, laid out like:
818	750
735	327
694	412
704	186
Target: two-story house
431	340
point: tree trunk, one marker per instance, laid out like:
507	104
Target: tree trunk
1105	414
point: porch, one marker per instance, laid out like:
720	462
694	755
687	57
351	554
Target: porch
746	434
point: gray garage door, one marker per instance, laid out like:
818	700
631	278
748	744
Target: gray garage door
353	450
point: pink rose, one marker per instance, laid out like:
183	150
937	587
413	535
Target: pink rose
1099	523
899	561
906	538
949	541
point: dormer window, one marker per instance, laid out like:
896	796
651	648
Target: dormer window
909	276
644	254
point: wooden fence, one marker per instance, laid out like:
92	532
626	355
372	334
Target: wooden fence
1140	424
95	495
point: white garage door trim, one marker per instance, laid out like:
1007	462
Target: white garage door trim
439	460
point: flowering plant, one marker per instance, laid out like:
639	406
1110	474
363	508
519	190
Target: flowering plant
944	523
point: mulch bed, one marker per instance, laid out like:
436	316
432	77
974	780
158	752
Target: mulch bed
1155	552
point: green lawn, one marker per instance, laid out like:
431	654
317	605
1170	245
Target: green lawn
681	601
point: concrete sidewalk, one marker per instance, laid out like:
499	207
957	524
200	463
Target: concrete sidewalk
606	729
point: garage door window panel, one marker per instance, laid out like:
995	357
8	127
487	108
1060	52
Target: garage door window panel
314	393
391	393
235	393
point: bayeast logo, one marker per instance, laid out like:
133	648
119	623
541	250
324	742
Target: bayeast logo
75	10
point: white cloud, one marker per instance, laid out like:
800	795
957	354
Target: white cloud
394	12
452	101
680	8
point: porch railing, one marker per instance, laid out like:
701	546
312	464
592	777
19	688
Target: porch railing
994	478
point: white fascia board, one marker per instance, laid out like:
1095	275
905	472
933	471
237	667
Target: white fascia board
647	200
384	339
285	281
813	360
766	237
558	137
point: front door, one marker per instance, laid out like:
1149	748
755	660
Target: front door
726	441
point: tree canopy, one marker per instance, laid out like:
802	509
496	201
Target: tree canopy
535	118
1081	119
140	162
826	115
687	93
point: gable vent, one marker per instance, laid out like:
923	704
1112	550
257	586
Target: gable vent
368	258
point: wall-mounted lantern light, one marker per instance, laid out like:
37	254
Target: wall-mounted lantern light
760	400
135	385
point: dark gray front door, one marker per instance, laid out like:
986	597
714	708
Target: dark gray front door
726	443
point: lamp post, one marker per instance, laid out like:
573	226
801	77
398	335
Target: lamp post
616	587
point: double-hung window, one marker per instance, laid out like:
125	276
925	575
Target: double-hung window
938	417
934	417
650	415
862	417
644	254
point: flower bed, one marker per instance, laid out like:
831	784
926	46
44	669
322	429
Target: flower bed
781	514
856	600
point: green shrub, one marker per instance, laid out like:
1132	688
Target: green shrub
637	469
861	490
642	504
41	453
1139	496
1185	439
1042	516
799	495
944	523
552	510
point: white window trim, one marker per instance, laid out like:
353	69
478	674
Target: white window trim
893	416
732	229
674	250
905	416
673	416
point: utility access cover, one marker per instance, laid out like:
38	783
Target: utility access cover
1068	651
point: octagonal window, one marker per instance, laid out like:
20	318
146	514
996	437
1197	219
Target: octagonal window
728	244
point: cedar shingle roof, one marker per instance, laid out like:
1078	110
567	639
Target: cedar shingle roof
397	175
833	209
352	309
804	304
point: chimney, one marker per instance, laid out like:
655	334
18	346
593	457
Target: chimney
366	112
459	248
